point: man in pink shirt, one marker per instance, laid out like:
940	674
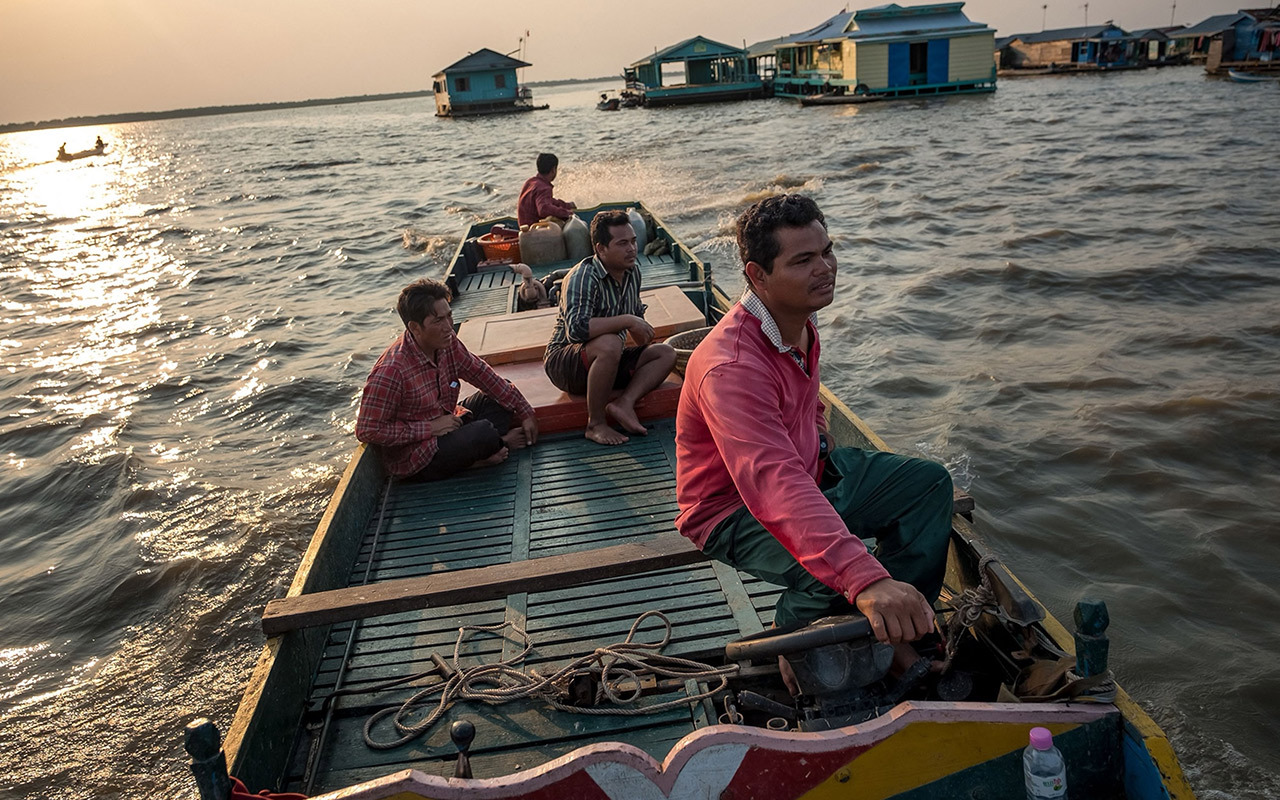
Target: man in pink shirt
756	486
536	201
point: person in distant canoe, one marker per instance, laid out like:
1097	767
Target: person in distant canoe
99	144
588	355
756	484
410	409
536	197
62	150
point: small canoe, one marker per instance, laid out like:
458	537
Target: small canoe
568	548
93	151
1252	77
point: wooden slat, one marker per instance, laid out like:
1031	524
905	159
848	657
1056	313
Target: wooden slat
471	585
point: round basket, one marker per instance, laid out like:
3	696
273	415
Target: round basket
499	248
684	343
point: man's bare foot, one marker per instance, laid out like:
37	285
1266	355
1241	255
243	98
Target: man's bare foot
904	655
515	439
788	676
493	460
625	415
603	434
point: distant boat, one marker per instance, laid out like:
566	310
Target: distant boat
1252	77
97	150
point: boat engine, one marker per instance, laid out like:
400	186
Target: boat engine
840	668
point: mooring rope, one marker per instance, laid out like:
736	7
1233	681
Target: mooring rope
501	681
968	608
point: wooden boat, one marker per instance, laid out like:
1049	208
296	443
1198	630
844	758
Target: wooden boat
1252	77
574	544
93	151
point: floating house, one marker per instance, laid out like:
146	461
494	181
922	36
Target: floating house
887	51
1154	48
1247	40
1093	47
484	82
712	71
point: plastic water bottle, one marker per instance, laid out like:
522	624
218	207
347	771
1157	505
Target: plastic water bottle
1043	767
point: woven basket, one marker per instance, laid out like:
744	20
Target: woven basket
684	343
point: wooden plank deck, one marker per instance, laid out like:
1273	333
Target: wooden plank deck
491	291
563	495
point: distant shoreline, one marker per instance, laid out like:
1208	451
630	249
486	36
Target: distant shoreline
207	111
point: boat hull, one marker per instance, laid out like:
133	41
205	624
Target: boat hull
917	750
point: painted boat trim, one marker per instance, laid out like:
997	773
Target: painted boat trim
705	763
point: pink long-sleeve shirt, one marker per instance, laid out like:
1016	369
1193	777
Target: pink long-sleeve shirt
747	434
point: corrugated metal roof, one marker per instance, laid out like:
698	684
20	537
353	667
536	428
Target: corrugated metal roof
682	50
1154	34
1212	25
886	21
1067	34
483	59
833	27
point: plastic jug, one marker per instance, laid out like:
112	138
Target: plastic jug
541	244
642	229
577	239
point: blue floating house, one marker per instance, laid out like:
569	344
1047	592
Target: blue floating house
1092	47
484	82
1247	40
887	51
712	72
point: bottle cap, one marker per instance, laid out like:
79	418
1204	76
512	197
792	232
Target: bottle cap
1041	738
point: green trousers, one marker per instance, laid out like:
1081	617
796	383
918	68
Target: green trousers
903	503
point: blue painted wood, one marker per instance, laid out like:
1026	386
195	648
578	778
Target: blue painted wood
899	64
939	66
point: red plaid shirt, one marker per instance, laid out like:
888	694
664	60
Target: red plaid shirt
406	390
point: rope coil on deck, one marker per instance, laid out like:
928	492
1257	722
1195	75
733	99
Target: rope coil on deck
502	682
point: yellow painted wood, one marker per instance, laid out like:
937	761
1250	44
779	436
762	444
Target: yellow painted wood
920	754
872	65
970	57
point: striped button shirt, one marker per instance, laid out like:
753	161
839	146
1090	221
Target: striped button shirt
587	293
406	390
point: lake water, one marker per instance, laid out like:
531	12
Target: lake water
1068	291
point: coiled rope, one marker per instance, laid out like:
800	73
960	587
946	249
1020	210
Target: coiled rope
968	608
502	682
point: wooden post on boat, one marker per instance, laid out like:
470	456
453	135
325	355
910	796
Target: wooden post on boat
208	763
1092	643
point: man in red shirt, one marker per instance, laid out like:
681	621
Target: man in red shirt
536	201
410	409
755	485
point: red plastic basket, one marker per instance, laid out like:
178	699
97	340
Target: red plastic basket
497	248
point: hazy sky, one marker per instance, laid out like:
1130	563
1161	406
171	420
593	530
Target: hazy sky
61	58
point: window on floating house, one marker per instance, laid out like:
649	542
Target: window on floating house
500	81
461	84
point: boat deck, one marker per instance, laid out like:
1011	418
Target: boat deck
561	496
492	291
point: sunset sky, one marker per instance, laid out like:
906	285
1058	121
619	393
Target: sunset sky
63	58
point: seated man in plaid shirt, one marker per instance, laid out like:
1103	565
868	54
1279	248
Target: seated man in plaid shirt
410	408
588	355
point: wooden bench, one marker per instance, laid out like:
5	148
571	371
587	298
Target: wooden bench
558	410
511	338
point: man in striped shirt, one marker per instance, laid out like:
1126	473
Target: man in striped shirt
410	410
588	352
